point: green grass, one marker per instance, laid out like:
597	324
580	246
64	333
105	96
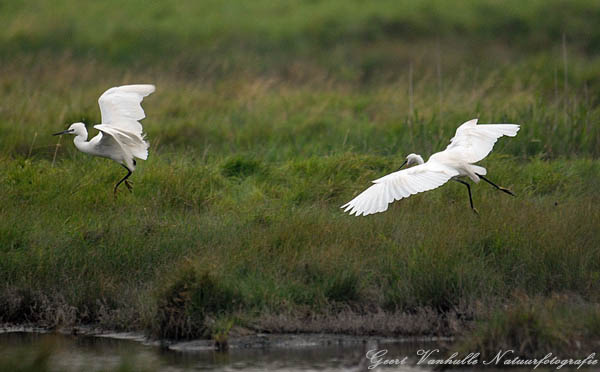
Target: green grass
277	239
537	326
267	117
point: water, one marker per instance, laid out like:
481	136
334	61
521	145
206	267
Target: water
41	352
60	352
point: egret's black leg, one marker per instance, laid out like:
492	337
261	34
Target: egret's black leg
470	198
496	186
124	179
128	183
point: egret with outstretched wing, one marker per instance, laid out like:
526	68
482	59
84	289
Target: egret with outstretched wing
470	144
121	136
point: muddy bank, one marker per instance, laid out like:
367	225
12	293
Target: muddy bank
298	341
246	341
249	341
565	324
35	309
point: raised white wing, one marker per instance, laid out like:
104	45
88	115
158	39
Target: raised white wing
121	106
474	142
398	185
131	144
107	146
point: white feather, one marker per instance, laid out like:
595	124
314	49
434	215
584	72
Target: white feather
470	144
121	106
121	137
398	185
474	142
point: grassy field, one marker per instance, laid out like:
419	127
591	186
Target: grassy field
267	117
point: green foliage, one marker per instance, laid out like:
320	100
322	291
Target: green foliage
240	167
259	131
536	326
184	304
343	288
220	330
162	29
253	235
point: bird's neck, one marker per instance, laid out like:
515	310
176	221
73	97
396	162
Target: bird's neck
81	142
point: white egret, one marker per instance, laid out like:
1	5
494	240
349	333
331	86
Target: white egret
470	144
121	136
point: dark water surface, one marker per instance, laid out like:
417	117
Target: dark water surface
59	352
87	353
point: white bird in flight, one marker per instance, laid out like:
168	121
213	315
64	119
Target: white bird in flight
121	136
470	144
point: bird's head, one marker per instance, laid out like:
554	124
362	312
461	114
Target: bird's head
75	128
413	159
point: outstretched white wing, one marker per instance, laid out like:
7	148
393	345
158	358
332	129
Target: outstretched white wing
399	185
474	142
121	106
129	143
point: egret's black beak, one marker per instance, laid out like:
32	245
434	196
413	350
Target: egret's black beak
403	164
63	132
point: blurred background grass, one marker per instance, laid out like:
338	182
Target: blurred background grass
268	115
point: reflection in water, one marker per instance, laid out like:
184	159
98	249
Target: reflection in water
84	353
57	352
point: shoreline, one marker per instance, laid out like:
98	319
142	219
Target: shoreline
252	341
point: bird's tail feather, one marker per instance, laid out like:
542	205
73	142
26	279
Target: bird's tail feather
479	170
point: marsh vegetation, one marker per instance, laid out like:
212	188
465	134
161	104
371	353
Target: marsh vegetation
267	117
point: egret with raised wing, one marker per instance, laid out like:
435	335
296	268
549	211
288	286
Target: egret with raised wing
470	144
121	136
